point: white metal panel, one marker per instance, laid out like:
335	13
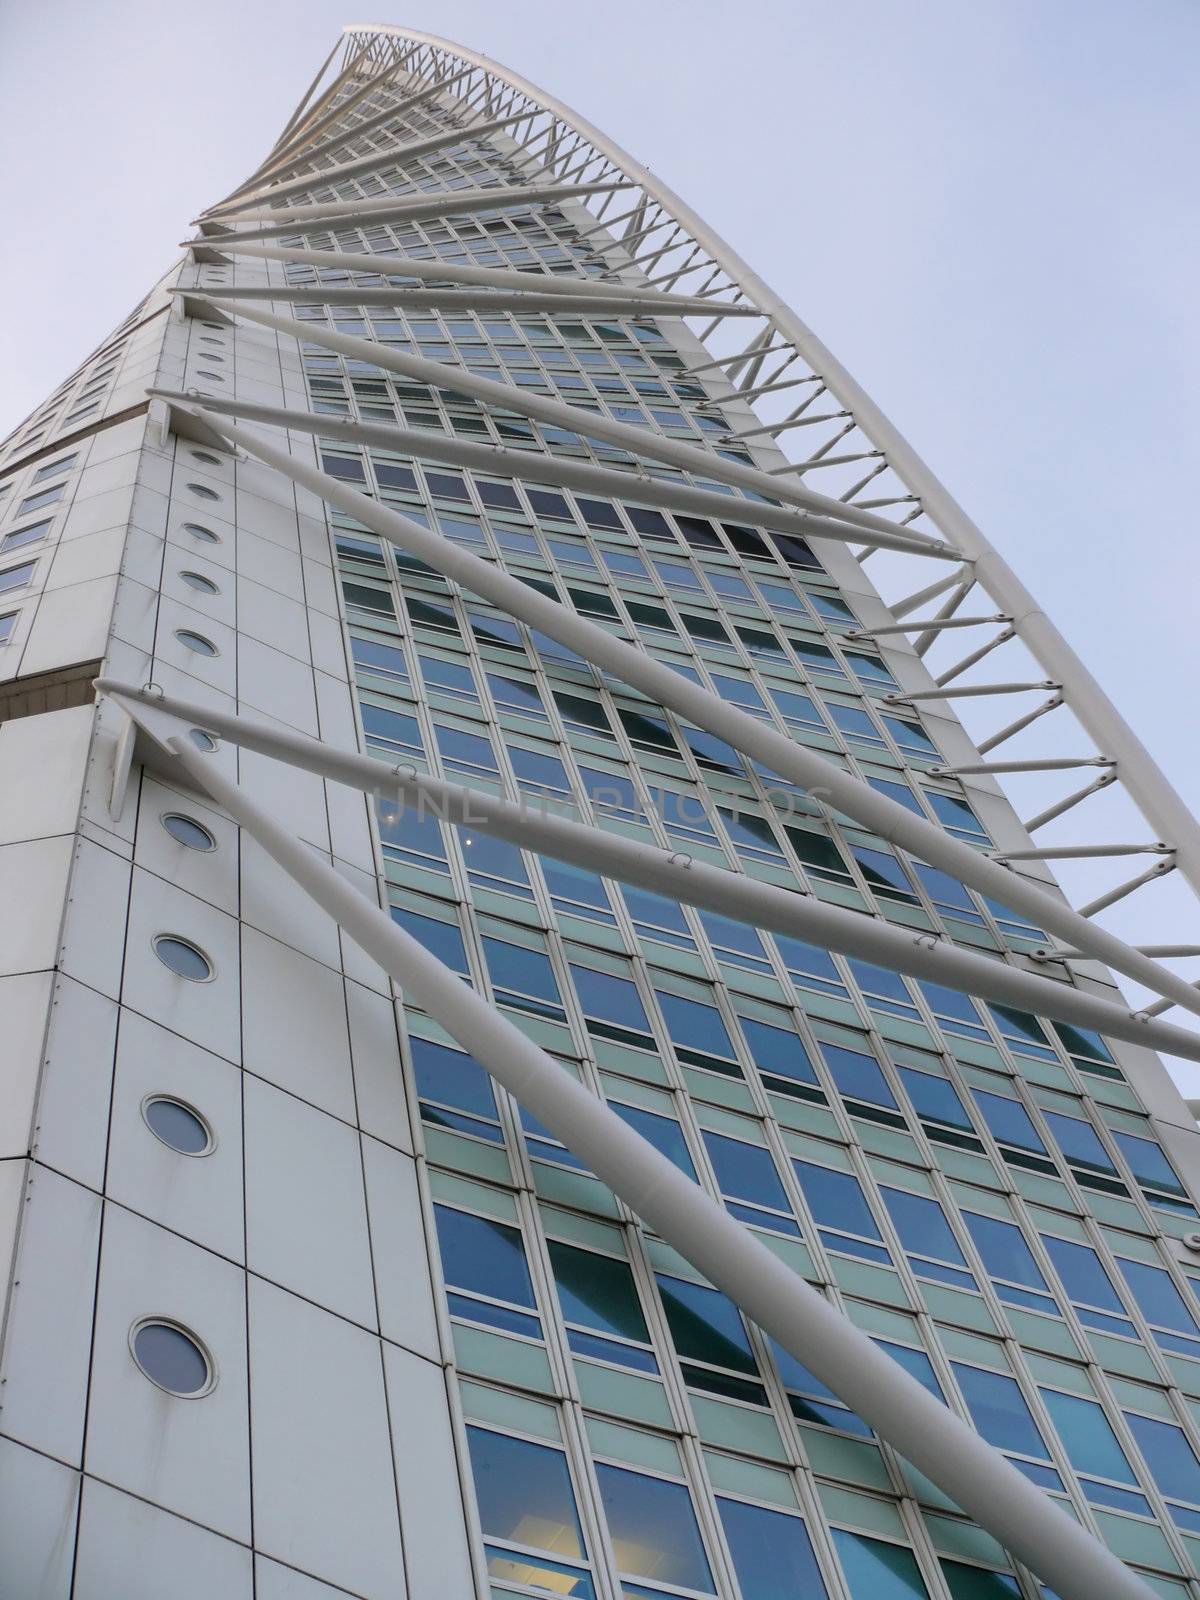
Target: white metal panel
24	1006
403	1275
73	1101
220	670
264	515
207	1013
70	625
299	803
189	1455
210	874
272	903
272	618
92	945
272	1581
43	761
275	682
435	1541
38	1499
268	564
197	1196
295	1032
306	1215
45	1362
129	1550
33	885
324	1491
378	1074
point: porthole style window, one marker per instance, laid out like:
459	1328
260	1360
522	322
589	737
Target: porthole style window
201	584
177	1125
199	531
186	830
213	377
196	642
184	958
206	456
172	1358
202	740
201	490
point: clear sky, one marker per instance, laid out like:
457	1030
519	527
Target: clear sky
988	210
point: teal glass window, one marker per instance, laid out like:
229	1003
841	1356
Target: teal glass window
653	1529
1091	1445
977	1583
878	1571
772	1553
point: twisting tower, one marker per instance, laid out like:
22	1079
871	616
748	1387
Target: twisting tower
542	1056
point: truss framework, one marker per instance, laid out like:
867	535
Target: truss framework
652	239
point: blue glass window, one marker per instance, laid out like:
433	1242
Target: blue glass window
1149	1164
597	1293
697	1031
1087	1434
927	1237
772	1553
839	1206
934	1099
441	939
653	1528
609	998
858	1076
705	1325
1008	1120
517	972
1162	1306
999	1411
1088	1285
1079	1142
449	1078
391	728
485	1258
747	1178
1006	1256
1169	1455
777	1050
664	1133
523	1489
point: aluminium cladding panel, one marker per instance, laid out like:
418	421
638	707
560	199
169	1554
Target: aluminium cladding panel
295	1249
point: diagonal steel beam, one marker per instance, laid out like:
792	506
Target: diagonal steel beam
974	1474
560	471
532	826
399	156
621	302
638	441
413	208
661	684
544	283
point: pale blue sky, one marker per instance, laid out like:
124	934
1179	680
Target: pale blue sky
988	210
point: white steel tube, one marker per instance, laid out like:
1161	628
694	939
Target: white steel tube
1145	781
529	296
924	1431
667	494
660	683
673	874
638	441
350	213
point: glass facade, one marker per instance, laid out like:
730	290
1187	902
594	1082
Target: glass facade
978	1188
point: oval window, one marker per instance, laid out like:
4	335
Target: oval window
202	491
177	1125
170	1357
184	958
201	584
202	741
199	531
196	642
185	830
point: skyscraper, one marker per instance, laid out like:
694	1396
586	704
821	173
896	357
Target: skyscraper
539	1056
